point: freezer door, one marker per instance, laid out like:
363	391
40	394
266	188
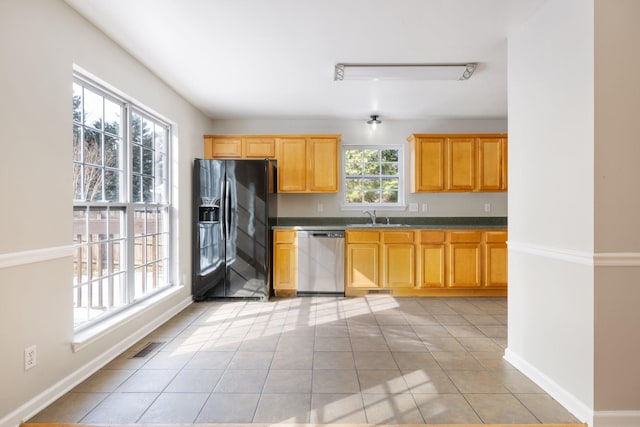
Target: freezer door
247	229
208	243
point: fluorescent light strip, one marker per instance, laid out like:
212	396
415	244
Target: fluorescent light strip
403	71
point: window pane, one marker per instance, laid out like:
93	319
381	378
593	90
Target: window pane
389	155
353	169
147	189
92	183
137	159
112	186
389	169
371	183
160	138
151	249
372	169
111	151
147	162
136	188
112	117
372	196
92	109
354	183
389	196
136	128
147	133
77	143
353	156
139	223
390	183
77	183
354	196
371	155
92	147
116	224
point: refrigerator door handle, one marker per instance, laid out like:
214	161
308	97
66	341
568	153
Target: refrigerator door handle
223	205
227	214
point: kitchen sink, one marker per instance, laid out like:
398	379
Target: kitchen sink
379	225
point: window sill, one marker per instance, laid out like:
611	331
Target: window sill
378	208
90	334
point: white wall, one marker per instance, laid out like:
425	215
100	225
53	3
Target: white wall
617	208
39	43
357	132
551	199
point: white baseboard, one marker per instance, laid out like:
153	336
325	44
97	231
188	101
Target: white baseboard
616	419
566	399
50	395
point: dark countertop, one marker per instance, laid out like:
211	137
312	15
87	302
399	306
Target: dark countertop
341	223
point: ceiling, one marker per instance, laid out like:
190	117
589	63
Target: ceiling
261	59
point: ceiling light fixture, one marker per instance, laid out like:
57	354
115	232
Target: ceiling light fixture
374	121
404	71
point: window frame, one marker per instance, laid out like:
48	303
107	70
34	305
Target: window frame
400	204
128	207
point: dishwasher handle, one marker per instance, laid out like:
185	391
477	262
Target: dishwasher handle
327	234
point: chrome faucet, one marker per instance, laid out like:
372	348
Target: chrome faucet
372	215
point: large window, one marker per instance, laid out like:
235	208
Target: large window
372	176
121	203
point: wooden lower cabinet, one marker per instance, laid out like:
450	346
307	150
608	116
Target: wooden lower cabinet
464	259
285	262
362	267
495	259
398	259
431	259
426	262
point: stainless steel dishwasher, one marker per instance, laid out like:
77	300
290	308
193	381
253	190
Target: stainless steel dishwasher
321	262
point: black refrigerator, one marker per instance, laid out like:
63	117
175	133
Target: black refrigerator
234	207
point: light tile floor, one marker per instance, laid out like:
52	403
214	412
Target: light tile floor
371	360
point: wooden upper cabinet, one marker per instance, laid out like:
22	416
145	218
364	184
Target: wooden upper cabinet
259	148
323	165
461	164
239	147
458	163
308	164
491	164
222	147
292	165
428	168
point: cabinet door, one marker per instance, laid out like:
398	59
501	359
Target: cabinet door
285	262
505	163
461	164
223	147
464	259
399	265
292	165
495	259
259	148
362	265
429	168
323	165
490	164
431	259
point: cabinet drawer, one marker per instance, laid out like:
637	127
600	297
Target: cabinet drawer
432	236
496	236
465	236
398	236
284	236
366	236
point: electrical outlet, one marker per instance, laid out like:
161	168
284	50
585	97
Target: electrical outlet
425	207
413	207
487	207
30	357
320	207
